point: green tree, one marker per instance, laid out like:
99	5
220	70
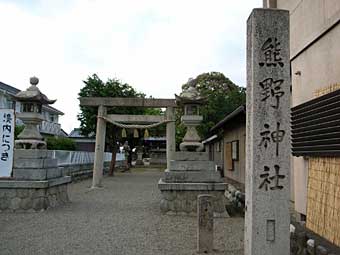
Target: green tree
223	96
95	87
60	143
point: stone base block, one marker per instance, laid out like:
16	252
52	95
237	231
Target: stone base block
30	196
157	161
190	156
36	173
179	165
36	163
192	176
181	198
32	154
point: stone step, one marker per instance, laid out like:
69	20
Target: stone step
36	173
191	186
199	165
192	176
190	156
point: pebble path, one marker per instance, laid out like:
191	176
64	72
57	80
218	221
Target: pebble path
122	218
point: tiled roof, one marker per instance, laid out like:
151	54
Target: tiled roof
230	116
11	90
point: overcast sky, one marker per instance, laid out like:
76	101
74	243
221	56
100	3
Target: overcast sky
155	46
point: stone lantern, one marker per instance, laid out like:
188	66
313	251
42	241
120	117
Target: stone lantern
191	101
31	101
38	182
190	173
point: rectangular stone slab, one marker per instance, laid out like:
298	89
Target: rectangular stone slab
190	156
14	184
31	154
36	173
191	186
192	176
36	163
176	165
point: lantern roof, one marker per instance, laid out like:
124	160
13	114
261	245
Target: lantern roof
190	95
33	94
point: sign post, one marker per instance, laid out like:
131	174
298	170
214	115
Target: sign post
268	154
7	126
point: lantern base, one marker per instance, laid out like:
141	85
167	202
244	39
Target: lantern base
191	146
30	144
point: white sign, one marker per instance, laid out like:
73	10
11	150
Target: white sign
7	126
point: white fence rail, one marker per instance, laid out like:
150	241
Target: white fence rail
80	157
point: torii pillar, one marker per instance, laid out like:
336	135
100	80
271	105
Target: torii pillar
170	135
99	149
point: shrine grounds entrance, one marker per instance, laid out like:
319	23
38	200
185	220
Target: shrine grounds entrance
153	120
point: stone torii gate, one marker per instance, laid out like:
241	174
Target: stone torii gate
103	102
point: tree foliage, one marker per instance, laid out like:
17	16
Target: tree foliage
95	87
223	96
60	143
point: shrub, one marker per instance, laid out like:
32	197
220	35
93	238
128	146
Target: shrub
60	143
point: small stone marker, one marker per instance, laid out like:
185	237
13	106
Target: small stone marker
267	218
205	231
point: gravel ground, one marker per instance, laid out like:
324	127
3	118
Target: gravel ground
122	218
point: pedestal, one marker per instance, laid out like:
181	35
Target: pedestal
37	184
191	174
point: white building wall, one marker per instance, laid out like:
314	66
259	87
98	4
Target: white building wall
315	61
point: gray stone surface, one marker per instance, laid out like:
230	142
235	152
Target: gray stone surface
192	186
170	134
6	185
35	163
268	133
38	174
176	165
99	149
31	154
192	176
134	102
205	224
127	222
190	156
125	118
36	199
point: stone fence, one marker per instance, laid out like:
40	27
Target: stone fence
84	171
79	164
80	157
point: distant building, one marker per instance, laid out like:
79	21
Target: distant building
83	143
226	146
49	127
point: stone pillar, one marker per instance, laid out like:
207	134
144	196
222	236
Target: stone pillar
269	3
267	184
99	149
205	230
170	135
